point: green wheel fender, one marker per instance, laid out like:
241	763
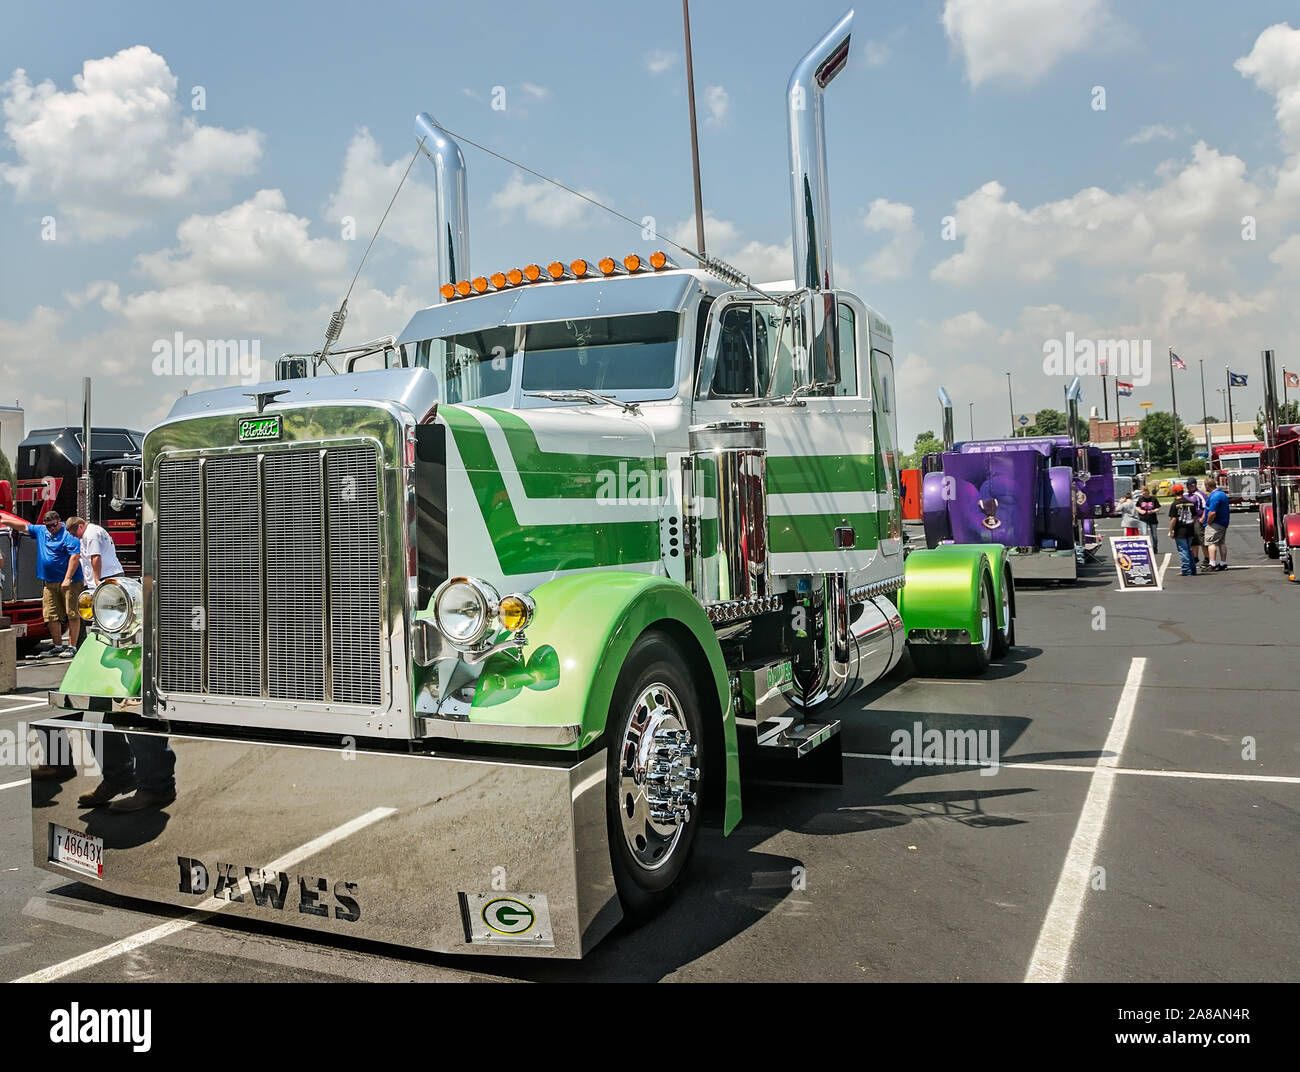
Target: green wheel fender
585	625
941	586
100	669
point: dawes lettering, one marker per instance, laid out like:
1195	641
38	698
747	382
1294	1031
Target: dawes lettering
269	889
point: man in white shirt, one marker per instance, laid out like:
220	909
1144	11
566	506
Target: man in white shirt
97	550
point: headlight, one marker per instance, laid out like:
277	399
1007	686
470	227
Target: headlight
116	607
463	609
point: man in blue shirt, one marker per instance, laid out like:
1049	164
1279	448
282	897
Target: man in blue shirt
61	578
1216	517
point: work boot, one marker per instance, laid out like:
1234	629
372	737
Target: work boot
144	799
103	793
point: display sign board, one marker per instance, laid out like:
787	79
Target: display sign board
1135	562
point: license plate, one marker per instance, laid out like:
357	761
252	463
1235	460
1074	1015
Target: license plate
79	852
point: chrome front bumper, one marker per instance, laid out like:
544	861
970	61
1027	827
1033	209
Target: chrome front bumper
415	850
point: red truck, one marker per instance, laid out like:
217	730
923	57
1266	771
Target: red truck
1237	468
50	475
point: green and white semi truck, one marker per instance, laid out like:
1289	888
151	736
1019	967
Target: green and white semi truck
455	653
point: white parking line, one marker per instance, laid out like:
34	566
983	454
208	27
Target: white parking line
205	909
1164	565
15	785
1077	768
1051	954
26	704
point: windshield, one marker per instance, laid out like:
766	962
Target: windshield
1241	461
621	353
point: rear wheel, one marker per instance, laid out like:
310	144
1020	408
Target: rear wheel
655	775
961	660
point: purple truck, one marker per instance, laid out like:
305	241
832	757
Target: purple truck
1035	496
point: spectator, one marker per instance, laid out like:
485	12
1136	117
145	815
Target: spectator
1199	497
1182	527
1215	519
97	551
1128	515
57	551
1149	514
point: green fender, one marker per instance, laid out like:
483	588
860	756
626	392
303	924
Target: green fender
585	625
100	669
941	586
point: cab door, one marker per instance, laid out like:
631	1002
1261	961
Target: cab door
824	493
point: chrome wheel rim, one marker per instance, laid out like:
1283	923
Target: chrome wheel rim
656	776
1006	610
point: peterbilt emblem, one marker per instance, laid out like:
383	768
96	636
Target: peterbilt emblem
990	508
269	889
1080	497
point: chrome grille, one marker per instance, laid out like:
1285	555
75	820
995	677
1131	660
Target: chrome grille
268	576
1240	481
354	576
180	576
295	594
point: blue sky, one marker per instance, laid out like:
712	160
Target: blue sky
226	222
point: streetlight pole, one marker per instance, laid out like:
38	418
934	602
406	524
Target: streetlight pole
1205	425
1232	434
1011	405
972	420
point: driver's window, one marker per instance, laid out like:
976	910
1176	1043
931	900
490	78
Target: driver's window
733	375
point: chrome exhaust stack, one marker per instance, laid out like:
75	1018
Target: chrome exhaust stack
451	199
1073	399
945	406
810	211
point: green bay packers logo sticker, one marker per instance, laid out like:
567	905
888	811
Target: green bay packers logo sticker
505	915
507	919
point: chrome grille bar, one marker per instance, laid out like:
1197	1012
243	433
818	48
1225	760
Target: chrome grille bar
234	546
354	577
180	577
295	607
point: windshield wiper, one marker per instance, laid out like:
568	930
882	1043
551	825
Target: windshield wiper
581	394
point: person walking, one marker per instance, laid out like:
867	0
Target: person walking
1182	527
61	578
1128	515
1149	514
1215	518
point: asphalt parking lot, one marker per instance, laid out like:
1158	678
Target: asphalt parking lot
1140	826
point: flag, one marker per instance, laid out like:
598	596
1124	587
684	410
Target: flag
1293	379
1236	379
1177	361
1125	389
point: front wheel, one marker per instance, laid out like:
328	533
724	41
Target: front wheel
1004	639
655	774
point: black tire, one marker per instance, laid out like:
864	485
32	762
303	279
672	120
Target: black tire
646	873
26	648
1005	639
1272	550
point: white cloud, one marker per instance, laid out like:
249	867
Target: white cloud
1274	66
1021	40
1198	206
876	53
365	188
1154	132
894	259
717	105
1287	255
111	151
761	261
542	203
659	61
535	91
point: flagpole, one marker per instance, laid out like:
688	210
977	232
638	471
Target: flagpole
1232	434
1119	425
1285	401
1205	425
1105	400
1173	395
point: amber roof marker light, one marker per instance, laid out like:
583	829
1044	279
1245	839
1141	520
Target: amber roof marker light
532	272
448	291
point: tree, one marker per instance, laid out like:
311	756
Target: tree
6	472
1287	413
1157	434
925	444
1209	420
1048	422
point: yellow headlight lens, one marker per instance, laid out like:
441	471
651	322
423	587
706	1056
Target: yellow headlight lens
85	606
515	612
